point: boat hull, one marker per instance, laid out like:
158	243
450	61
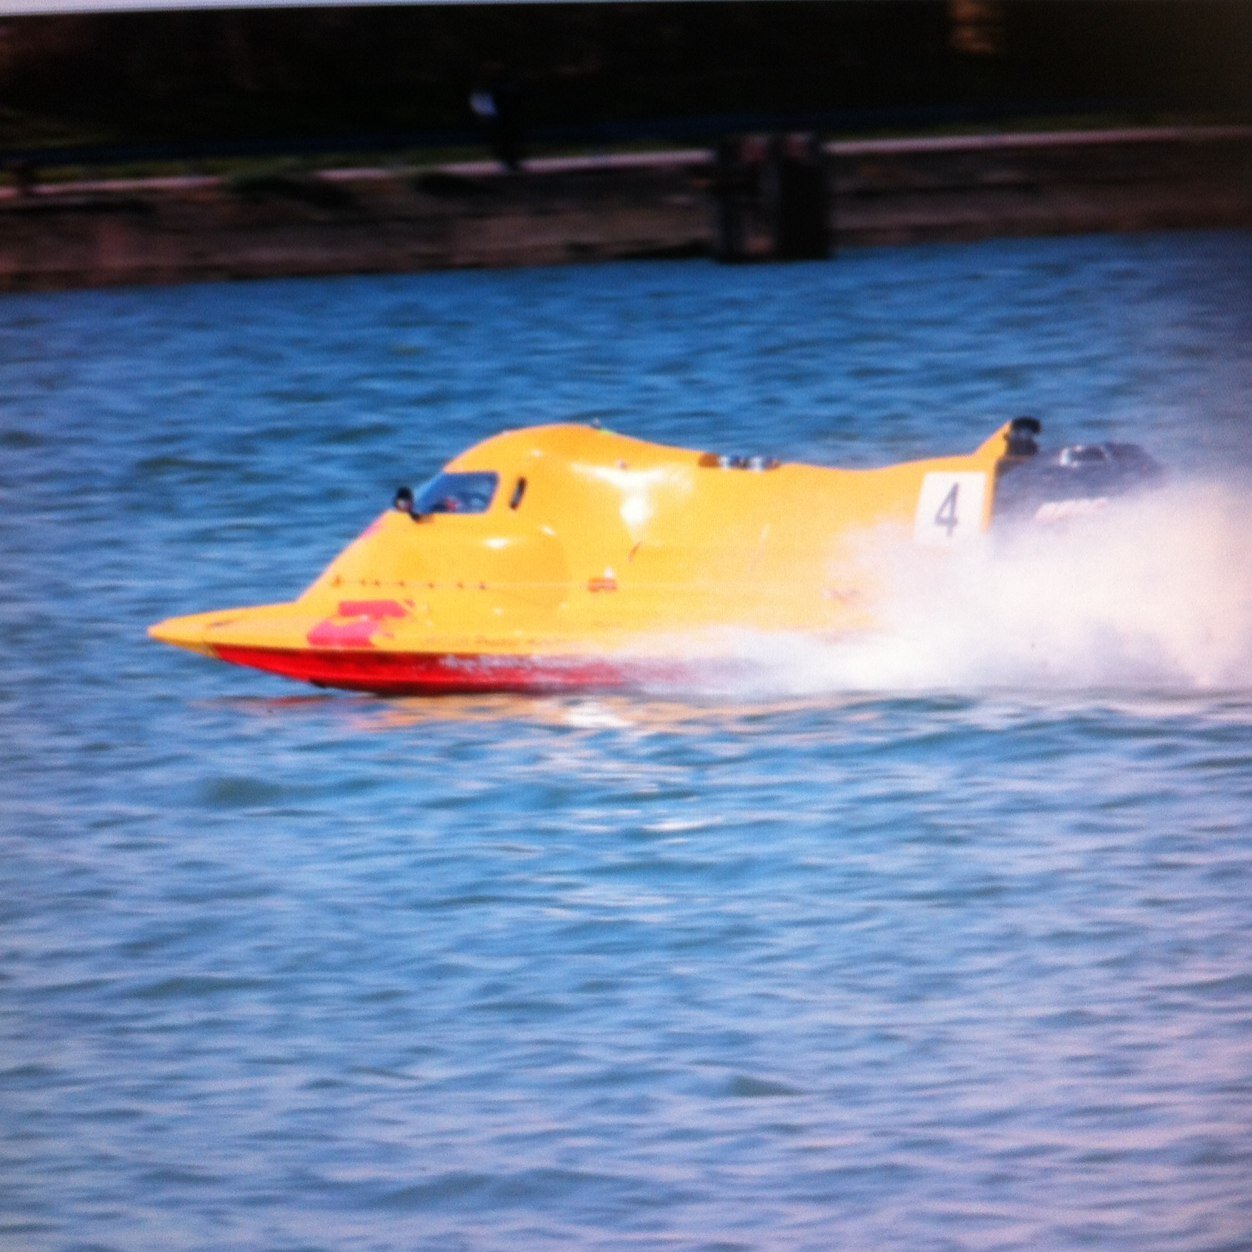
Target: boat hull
447	673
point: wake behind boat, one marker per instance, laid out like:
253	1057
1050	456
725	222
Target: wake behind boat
566	556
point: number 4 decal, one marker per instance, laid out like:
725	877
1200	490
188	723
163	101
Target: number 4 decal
946	514
950	508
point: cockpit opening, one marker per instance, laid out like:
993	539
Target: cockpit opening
456	493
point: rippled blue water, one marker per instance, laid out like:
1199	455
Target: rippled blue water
945	942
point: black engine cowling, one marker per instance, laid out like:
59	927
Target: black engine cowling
1070	482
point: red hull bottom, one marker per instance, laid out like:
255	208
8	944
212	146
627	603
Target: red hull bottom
431	673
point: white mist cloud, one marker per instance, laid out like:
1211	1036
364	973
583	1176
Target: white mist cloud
1154	593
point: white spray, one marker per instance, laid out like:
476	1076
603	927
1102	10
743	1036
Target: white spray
1154	592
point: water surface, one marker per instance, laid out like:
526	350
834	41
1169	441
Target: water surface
938	940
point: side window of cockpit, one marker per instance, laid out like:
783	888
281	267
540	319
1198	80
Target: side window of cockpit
457	493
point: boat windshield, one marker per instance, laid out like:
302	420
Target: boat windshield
457	493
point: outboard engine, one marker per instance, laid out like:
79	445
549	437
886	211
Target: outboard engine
1049	487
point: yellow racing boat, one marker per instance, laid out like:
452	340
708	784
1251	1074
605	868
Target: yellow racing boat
567	556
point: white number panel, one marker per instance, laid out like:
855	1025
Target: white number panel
949	508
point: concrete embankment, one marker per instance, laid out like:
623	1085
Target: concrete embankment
612	207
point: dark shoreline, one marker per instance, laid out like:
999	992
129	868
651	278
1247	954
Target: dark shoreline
579	210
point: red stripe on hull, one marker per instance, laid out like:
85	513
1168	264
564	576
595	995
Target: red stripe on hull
427	673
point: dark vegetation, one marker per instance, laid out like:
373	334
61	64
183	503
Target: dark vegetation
195	84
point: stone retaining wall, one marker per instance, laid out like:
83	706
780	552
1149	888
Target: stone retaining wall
583	210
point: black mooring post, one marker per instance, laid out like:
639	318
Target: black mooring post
737	192
773	199
801	200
